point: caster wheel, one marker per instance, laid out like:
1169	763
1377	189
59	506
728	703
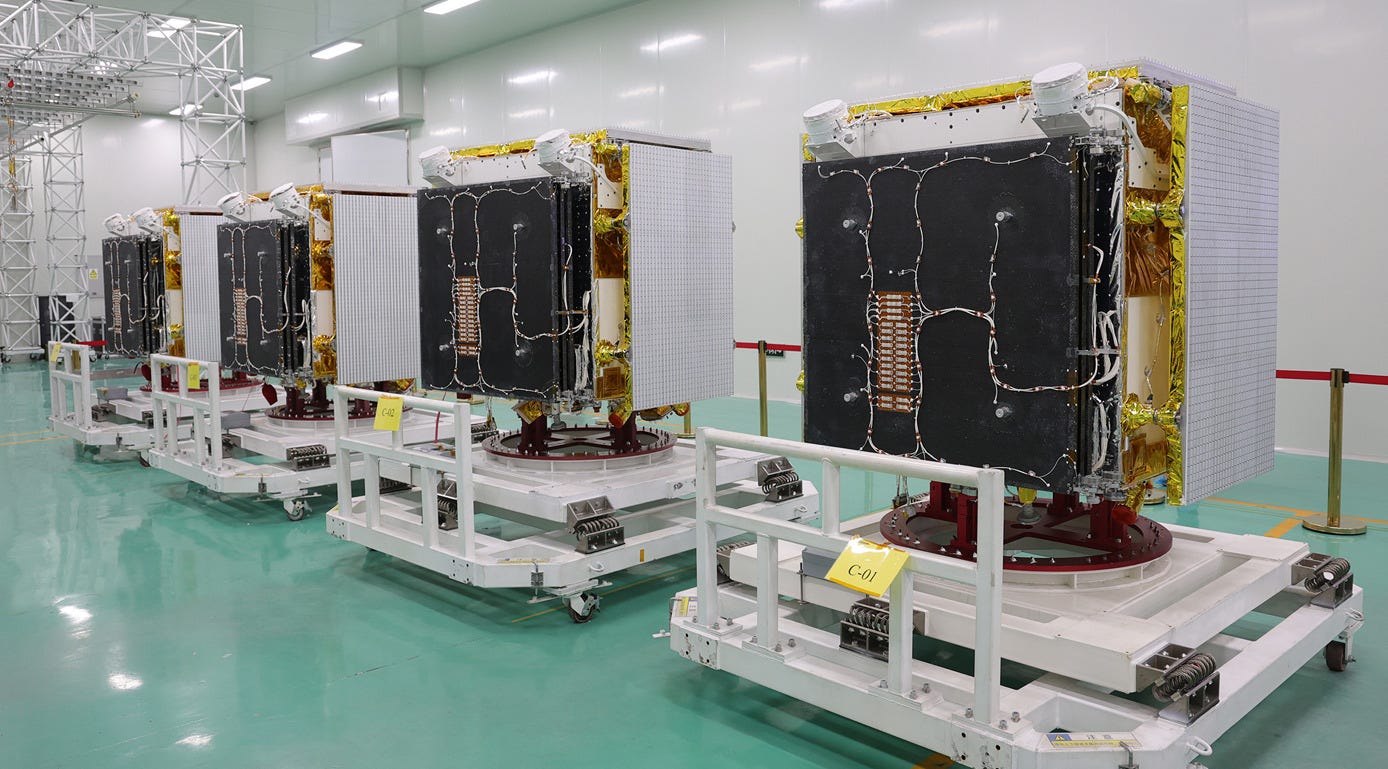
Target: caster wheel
296	509
143	462
6	359
1336	656
35	356
582	606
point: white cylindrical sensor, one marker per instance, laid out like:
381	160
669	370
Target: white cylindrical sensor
824	118
1058	89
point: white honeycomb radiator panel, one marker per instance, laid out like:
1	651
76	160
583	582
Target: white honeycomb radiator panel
376	287
202	324
1231	304
681	276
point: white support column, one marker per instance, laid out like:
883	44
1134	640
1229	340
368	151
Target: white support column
768	591
706	532
829	497
901	608
988	598
344	456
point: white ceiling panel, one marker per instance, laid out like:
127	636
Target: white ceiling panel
281	33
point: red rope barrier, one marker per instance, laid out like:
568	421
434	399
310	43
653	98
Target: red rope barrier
769	346
1324	376
1282	373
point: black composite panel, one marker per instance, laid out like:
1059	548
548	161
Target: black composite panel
940	289
133	281
501	267
263	285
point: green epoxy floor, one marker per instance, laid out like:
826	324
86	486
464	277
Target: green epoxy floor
146	624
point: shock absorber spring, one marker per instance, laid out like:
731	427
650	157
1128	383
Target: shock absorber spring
1194	669
1332	571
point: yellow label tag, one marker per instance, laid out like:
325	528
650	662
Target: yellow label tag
388	411
1093	740
867	566
1025	495
53	350
194	375
91	275
683	606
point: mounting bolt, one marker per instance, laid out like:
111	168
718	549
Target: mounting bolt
925	688
778	647
911	694
882	684
968	712
1002	724
716	626
754	639
1016	716
791	643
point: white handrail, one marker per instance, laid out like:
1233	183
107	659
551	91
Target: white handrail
206	414
432	465
61	376
985	573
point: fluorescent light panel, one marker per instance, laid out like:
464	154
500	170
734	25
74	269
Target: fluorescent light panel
254	81
185	110
448	6
336	49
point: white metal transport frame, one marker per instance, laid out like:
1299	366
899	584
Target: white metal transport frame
1097	640
279	459
584	520
114	417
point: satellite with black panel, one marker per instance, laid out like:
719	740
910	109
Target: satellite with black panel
132	261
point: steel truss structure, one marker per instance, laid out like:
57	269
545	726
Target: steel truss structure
66	62
65	236
19	308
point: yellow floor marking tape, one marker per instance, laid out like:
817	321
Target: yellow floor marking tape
33	440
1296	510
29	433
937	761
661	575
1283	527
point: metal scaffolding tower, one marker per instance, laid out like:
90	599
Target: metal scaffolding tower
66	236
63	63
19	305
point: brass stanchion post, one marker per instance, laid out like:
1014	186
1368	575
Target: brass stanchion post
1332	522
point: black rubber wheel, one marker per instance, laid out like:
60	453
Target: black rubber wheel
297	512
6	359
578	617
1337	656
143	462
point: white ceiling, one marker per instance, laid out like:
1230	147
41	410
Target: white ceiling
280	33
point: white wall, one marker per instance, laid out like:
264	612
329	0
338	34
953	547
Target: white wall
272	162
753	67
126	164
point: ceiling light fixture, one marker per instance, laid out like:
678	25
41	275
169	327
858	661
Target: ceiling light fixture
336	49
254	81
185	110
448	6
